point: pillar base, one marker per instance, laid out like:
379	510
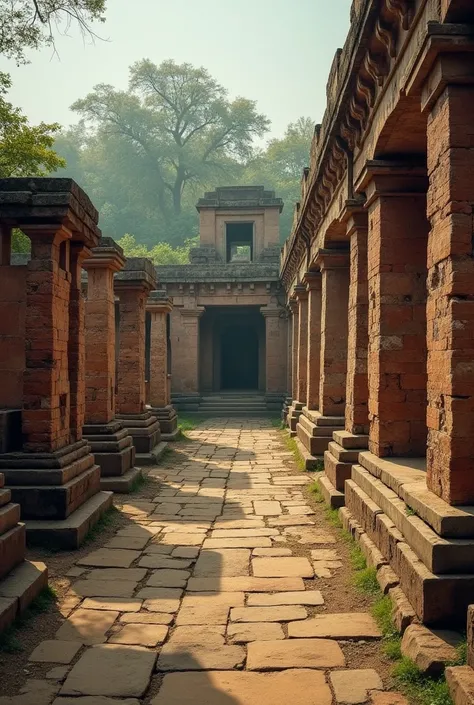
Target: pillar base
145	431
294	412
315	430
427	544
168	420
122	484
186	402
343	451
51	485
332	497
286	409
273	401
20	580
114	452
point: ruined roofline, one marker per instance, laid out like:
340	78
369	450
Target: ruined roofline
238	198
176	273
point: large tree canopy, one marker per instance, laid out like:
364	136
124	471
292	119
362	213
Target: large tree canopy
180	124
31	24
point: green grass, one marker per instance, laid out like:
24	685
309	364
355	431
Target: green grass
420	689
9	642
410	512
187	423
291	445
139	482
109	518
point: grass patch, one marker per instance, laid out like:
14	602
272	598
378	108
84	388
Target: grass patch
316	492
276	421
418	688
9	641
291	445
139	482
108	519
365	580
186	423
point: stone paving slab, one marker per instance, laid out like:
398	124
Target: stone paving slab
298	687
87	626
308	597
254	631
113	670
267	614
294	653
353	686
349	625
228	562
110	558
282	567
244	584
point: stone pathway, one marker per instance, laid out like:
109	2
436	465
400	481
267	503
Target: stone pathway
211	594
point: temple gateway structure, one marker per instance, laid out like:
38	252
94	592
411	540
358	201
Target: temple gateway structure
229	318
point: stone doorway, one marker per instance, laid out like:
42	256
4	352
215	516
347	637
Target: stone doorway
239	357
232	349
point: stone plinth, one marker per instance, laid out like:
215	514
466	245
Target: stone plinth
53	475
110	442
30	578
315	430
133	285
160	306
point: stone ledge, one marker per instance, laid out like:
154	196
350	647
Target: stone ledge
153	457
22	585
351	441
430	650
310	461
460	680
70	532
122	484
407	478
332	497
440	555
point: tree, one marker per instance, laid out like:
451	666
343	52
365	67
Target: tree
30	24
162	253
180	124
25	150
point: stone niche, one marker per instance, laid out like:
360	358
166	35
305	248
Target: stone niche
48	468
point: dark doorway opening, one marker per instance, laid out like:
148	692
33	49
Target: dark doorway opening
239	357
239	242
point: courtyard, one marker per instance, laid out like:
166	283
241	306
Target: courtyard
222	566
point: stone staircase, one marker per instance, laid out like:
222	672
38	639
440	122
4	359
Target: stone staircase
233	404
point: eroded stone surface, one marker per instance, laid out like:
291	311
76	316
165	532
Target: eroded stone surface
353	686
351	625
294	653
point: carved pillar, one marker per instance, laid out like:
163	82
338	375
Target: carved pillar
189	353
53	474
448	98
133	285
294	348
357	390
313	286
275	357
397	240
302	354
110	442
160	306
334	301
76	344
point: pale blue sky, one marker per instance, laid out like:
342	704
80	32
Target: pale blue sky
277	52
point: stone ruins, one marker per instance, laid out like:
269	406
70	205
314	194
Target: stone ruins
361	329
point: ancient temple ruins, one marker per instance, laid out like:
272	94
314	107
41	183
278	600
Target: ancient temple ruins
229	321
379	277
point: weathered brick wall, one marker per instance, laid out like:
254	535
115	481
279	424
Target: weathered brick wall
397	324
12	335
131	368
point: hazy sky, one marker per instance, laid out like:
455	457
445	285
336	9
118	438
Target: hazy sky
277	52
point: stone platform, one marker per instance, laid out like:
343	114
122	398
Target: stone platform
343	451
114	452
315	431
56	490
146	434
428	544
20	580
168	420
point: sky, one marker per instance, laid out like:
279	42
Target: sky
277	52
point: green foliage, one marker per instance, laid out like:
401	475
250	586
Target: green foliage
20	242
420	689
366	581
180	126
29	24
292	445
25	150
162	253
139	482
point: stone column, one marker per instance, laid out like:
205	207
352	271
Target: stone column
296	406
160	306
110	442
275	355
313	286
335	292
189	354
397	240
302	355
343	451
53	474
448	99
76	344
132	286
